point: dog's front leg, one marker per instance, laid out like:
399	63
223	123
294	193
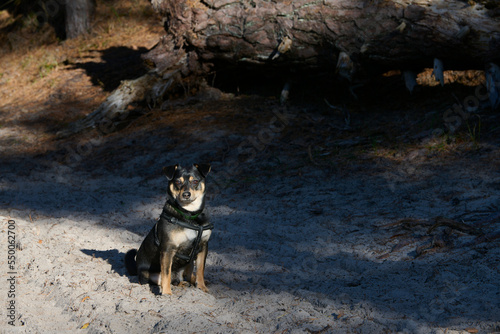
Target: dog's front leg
200	267
166	258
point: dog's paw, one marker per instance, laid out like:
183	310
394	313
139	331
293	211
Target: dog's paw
184	284
203	288
165	290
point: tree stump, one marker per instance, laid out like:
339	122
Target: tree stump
78	17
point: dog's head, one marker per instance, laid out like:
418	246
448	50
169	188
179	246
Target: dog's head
186	186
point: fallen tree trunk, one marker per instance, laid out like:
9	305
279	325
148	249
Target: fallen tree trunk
386	34
358	37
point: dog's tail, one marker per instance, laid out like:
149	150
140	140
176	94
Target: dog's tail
130	262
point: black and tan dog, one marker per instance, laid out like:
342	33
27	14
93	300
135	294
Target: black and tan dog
179	237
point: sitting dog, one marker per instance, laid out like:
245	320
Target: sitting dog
179	237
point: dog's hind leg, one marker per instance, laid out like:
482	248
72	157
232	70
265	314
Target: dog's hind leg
188	273
144	276
155	278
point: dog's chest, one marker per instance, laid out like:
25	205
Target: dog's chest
185	235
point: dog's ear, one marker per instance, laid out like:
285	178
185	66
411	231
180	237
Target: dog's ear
204	169
169	171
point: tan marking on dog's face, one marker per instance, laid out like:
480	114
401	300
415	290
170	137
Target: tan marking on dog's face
177	186
198	190
174	191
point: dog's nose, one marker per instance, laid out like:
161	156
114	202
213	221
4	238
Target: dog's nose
186	195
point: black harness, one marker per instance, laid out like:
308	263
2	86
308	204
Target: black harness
192	226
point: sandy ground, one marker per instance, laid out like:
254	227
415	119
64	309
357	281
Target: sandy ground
301	245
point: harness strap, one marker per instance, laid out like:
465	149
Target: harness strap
199	228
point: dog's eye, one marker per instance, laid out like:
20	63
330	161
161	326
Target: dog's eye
195	182
178	183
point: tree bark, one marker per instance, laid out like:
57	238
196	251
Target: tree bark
376	34
353	38
78	17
